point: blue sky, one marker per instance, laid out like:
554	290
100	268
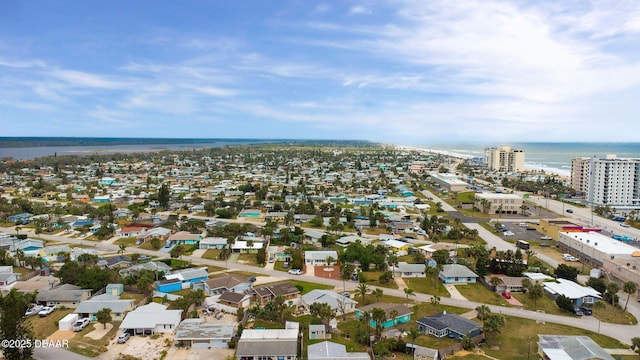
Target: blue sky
406	72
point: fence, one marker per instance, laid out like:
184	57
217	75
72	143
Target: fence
29	275
442	353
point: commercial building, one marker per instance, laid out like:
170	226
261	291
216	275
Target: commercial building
609	181
499	203
449	182
504	159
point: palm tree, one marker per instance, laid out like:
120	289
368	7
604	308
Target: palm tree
414	333
330	260
630	288
362	290
435	300
122	248
495	281
612	290
493	325
483	311
409	291
379	316
377	293
345	273
535	293
393	314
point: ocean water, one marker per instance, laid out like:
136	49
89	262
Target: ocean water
550	157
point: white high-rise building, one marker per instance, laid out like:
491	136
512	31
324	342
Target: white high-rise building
610	181
504	158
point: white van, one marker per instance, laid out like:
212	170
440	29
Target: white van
569	257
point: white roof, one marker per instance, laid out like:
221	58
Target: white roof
498	196
269	334
604	243
150	315
321	255
242	244
570	289
214	241
396	244
537	276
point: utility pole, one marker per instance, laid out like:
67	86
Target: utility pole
528	347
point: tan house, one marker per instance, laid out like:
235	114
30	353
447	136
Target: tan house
63	295
264	294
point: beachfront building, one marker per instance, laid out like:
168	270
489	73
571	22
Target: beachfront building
610	181
504	159
499	203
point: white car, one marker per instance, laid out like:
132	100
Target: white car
295	272
34	310
46	311
81	324
508	233
624	225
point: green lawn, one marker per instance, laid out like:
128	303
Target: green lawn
248	259
479	293
427	286
372	279
279	266
212	254
307	286
45	326
147	246
22	270
606	313
126	240
545	303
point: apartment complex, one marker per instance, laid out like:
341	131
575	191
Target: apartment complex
504	158
609	181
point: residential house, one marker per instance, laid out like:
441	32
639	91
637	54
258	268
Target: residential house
22	218
313	235
457	274
568	347
184	238
213	243
122	213
77	252
196	333
7	277
242	246
319	258
183	279
115	262
508	284
328	350
319	332
224	283
150	319
338	303
235	300
119	307
278	253
269	343
131	231
29	247
63	295
396	314
114	289
158	233
451	249
52	253
346	240
397	247
410	270
423	353
451	325
577	293
151	266
266	293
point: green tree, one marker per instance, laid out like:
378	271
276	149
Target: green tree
493	325
612	292
164	196
495	281
567	272
261	256
156	244
379	316
104	316
362	290
177	251
122	248
629	288
414	333
635	345
345	273
407	292
435	301
13	325
144	283
564	303
322	311
482	311
536	292
377	293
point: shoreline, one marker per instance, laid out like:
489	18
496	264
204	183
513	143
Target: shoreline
537	168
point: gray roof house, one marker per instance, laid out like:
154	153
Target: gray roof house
151	265
196	333
561	347
457	274
269	343
65	294
328	350
452	325
150	319
410	270
336	301
89	308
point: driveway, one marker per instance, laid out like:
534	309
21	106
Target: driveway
455	294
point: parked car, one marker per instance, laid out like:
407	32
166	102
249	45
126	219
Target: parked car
271	260
295	272
577	311
506	295
81	324
345	294
167	245
570	211
144	258
624	225
545	245
508	233
586	310
34	310
251	279
544	237
46	311
122	338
